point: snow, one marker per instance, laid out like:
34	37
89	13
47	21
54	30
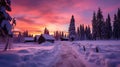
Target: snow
29	55
8	26
29	39
62	54
48	37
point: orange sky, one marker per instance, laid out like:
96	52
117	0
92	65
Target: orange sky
35	15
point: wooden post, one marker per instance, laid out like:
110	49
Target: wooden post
97	50
84	48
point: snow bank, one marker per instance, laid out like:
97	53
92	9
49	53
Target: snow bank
107	53
9	60
30	55
46	44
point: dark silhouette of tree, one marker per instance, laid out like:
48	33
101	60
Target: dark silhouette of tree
82	32
46	31
57	35
87	33
108	28
78	33
62	34
72	33
118	20
94	26
100	25
26	33
115	28
116	25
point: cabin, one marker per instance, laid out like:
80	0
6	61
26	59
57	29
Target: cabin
36	38
46	37
64	39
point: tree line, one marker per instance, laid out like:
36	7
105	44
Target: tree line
102	29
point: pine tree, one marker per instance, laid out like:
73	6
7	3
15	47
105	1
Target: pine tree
78	33
103	31
116	25
46	31
56	35
72	33
115	28
108	27
94	26
62	35
5	25
82	32
118	20
87	33
100	25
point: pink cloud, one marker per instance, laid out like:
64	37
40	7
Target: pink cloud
47	13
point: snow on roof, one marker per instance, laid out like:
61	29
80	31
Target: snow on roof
48	37
28	38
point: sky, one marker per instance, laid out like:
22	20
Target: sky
35	15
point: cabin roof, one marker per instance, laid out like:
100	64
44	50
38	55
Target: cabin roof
48	37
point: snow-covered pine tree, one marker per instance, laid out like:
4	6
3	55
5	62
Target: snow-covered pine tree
72	33
103	31
5	18
108	28
118	20
94	26
116	25
115	28
100	25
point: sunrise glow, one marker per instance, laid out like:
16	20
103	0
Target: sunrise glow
35	15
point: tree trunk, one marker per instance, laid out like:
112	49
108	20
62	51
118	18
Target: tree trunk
7	44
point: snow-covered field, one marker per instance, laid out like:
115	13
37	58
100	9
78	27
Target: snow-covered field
62	54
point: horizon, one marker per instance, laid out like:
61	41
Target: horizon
34	16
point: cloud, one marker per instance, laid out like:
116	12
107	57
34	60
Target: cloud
43	13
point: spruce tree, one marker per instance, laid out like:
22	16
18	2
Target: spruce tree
72	33
115	28
89	33
108	27
86	33
94	26
5	25
116	25
118	20
46	31
78	33
100	25
82	32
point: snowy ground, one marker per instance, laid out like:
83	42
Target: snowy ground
62	54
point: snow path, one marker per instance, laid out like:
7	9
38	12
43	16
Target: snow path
68	57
